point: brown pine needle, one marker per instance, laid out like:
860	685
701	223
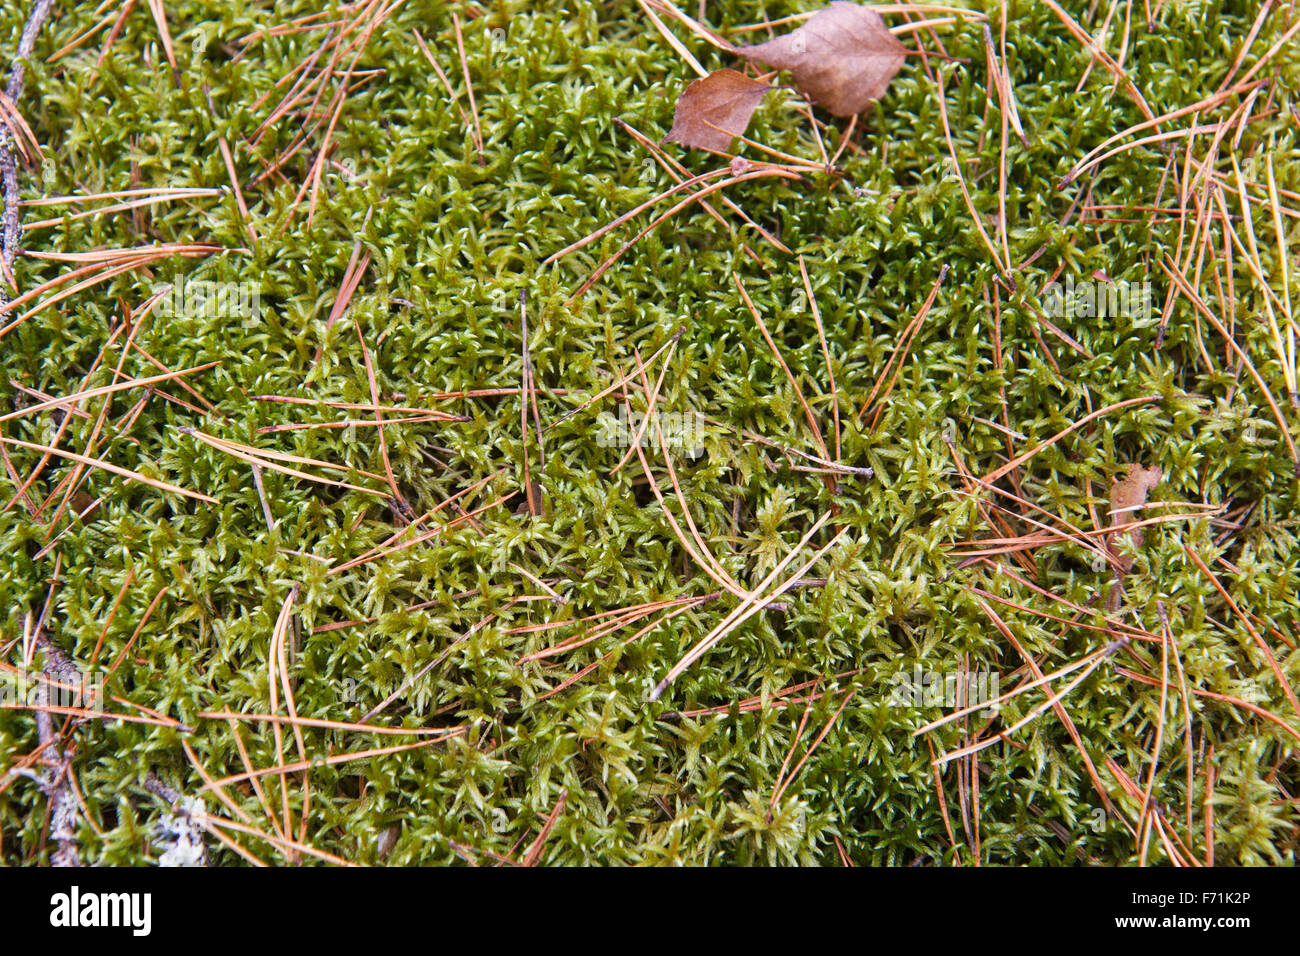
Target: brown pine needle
901	350
1090	659
754	602
446	84
333	760
645	421
1093	157
794	743
21	134
469	86
998	79
776	797
393	409
618	382
114	469
112	613
1060	710
765	702
374	398
364	423
108	266
274	659
268	459
794	383
534	852
76	42
1020	460
228	158
633	213
139	629
761	173
1004	269
321	724
426	536
694	26
68	401
156	196
1224	698
703	556
1052	701
1121	77
160	18
1245	619
1184	286
826	353
675	43
1264	9
679	174
385	549
612	621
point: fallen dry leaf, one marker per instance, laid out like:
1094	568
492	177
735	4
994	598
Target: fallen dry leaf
842	58
715	109
1127	498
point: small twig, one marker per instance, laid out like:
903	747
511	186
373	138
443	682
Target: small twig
58	670
8	162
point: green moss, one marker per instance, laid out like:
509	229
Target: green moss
452	243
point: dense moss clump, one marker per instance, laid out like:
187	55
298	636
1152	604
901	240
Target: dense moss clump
188	606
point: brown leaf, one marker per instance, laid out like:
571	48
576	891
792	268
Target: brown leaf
1127	498
843	57
534	503
715	109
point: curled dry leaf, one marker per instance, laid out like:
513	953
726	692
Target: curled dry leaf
1128	496
715	109
842	58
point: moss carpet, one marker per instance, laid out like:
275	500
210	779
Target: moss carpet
383	232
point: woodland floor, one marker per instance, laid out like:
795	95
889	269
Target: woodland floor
317	511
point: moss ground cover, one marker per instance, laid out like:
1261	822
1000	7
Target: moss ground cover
191	608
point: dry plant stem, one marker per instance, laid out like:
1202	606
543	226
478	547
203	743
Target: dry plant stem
8	162
63	814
